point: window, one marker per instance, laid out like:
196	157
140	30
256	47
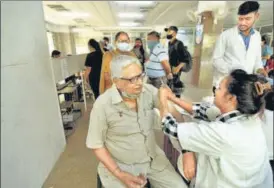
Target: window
50	42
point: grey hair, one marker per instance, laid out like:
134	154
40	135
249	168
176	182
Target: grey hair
119	62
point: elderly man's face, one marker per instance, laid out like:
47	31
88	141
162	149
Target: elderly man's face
131	81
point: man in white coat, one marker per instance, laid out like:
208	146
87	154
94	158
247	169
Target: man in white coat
239	47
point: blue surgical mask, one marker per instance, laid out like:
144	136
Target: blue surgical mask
151	44
123	46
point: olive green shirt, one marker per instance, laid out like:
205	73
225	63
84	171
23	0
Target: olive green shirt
128	135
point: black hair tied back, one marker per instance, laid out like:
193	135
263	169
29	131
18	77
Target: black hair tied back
249	89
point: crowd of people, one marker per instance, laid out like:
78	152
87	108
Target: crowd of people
235	149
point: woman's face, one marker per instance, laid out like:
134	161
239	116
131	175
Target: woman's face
223	99
123	38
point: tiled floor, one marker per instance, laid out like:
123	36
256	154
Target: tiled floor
76	167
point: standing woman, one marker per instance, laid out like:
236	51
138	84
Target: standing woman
123	47
140	52
232	150
93	66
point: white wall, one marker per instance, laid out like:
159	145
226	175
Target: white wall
32	135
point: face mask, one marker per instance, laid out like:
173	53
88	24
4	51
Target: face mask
169	36
123	46
151	44
129	96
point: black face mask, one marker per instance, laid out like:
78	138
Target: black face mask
169	36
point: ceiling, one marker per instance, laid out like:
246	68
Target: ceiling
107	15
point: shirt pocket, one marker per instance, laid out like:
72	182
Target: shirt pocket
121	123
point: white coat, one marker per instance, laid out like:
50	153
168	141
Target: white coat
231	154
230	53
268	130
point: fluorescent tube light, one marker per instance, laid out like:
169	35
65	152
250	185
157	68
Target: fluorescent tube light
138	3
75	14
130	15
129	24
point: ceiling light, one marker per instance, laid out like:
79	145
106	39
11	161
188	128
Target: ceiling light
130	15
138	3
129	24
75	14
117	28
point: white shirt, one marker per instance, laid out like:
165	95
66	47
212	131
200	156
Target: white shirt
230	53
268	131
231	154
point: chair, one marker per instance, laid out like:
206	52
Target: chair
100	185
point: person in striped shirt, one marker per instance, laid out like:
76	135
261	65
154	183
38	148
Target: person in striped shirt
157	68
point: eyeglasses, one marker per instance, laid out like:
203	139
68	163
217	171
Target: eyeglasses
121	41
134	79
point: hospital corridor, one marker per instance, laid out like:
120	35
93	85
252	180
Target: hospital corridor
137	94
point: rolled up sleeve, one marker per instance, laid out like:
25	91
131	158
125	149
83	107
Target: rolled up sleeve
97	127
163	55
201	138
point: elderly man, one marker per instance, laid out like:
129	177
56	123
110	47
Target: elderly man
121	132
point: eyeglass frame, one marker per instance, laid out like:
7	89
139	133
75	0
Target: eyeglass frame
134	79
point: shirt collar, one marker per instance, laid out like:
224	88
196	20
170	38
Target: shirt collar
229	116
251	32
116	97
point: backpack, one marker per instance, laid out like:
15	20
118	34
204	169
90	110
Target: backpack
187	60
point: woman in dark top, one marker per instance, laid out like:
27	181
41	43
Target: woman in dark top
93	66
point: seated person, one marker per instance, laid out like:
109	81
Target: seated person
121	131
231	151
55	54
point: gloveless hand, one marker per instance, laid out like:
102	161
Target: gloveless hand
189	165
262	72
177	69
131	181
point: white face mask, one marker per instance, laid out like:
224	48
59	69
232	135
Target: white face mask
123	46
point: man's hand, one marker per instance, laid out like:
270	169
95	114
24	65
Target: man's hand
170	76
262	72
189	165
177	69
131	181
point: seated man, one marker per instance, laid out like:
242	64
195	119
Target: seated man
121	132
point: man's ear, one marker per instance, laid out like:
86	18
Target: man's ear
257	15
233	99
117	83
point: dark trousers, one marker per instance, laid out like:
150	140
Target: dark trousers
95	89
